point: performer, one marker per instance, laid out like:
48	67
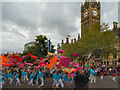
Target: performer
65	78
114	71
31	79
25	75
102	73
93	77
54	79
9	77
59	79
1	80
40	76
17	78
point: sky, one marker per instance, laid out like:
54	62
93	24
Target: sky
22	21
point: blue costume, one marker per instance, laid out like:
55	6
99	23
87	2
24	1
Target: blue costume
23	74
9	75
39	75
16	76
32	76
66	78
54	76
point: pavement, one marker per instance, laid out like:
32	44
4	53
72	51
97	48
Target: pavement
105	83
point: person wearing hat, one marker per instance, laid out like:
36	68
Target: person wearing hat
9	77
31	79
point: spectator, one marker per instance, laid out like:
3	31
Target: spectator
81	82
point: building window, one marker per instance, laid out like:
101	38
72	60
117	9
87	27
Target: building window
112	62
107	62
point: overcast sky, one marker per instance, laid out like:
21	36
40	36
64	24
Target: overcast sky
22	21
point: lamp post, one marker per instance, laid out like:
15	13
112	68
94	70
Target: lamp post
58	48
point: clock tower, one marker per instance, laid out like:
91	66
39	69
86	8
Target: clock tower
90	14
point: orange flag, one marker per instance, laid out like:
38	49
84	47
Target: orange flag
52	62
4	59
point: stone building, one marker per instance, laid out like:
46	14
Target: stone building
90	14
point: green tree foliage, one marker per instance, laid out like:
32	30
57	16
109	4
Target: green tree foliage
94	38
40	48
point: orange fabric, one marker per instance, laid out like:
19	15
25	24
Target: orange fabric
52	62
4	59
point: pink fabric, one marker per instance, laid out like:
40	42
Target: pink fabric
36	67
23	57
46	63
71	75
75	54
28	63
64	61
75	64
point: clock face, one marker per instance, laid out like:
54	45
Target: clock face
86	13
94	13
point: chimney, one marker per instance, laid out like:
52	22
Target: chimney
74	40
67	40
115	25
62	42
71	41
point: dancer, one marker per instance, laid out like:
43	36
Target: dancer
54	79
31	79
65	78
17	78
9	77
59	79
25	75
40	76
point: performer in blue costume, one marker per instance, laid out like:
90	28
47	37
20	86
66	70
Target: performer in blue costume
17	79
9	77
31	79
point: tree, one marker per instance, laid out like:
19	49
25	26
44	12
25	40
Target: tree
95	38
40	48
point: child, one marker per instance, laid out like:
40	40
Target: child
31	79
17	78
9	77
